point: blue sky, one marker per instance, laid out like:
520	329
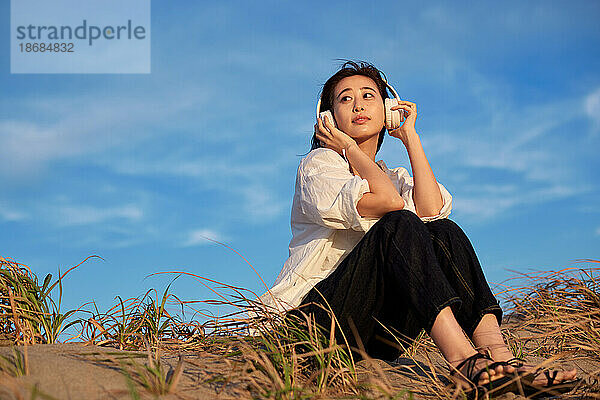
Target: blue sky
136	168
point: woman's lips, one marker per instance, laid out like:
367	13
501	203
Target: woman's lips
360	120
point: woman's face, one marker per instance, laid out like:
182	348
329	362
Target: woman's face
358	107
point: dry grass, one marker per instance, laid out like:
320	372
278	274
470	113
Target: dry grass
131	323
153	376
15	364
550	314
28	312
559	309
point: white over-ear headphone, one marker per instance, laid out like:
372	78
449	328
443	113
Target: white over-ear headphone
393	118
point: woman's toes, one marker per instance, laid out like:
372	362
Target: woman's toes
568	375
561	376
483	378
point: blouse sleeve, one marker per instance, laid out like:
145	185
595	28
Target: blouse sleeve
329	193
406	185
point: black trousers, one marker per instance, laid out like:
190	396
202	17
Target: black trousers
403	272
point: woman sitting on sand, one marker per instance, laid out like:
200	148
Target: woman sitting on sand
376	243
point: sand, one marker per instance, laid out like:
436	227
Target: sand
76	371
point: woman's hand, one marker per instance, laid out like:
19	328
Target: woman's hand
407	129
334	139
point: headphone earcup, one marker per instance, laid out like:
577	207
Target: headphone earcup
327	114
393	118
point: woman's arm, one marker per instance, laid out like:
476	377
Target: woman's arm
383	196
426	193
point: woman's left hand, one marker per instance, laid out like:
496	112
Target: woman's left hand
407	129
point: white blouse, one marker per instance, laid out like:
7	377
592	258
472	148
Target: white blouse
326	224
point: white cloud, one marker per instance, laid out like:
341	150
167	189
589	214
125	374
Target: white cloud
512	140
482	208
526	144
508	139
207	167
592	108
245	182
592	104
110	235
598	231
8	214
485	202
201	237
260	204
84	215
57	128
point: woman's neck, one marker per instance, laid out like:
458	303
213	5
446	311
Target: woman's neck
369	146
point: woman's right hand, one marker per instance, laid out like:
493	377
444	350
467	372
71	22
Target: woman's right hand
333	138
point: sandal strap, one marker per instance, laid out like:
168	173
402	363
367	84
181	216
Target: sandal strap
516	362
550	375
496	363
470	364
487	368
550	379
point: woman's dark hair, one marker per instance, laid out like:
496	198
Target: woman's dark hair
350	68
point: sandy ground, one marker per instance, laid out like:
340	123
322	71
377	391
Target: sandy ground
75	371
409	375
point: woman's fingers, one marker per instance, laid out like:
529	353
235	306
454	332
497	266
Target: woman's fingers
326	127
320	132
404	107
321	123
328	124
322	128
407	111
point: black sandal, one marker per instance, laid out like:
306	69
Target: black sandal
550	388
494	386
516	362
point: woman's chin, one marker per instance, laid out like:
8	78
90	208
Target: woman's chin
362	134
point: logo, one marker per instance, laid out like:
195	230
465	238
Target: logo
74	36
82	32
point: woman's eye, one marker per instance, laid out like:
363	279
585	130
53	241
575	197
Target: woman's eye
367	95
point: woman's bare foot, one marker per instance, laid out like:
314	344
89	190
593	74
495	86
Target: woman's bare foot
468	368
524	368
487	336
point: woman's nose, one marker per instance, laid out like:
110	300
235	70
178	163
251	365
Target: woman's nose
358	107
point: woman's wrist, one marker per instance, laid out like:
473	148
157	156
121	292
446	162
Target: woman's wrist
412	138
346	148
349	144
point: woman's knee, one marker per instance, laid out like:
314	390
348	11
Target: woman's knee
401	217
444	227
403	222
